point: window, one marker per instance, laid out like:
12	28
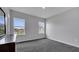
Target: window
2	23
19	26
2	26
41	27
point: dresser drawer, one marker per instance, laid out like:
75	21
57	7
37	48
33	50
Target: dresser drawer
9	47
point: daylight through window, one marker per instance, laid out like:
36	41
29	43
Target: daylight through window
19	26
41	27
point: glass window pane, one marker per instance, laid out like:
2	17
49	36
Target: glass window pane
19	26
2	26
41	27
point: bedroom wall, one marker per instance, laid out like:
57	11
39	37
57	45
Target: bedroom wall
31	26
64	27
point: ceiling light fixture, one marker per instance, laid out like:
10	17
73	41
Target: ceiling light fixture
43	7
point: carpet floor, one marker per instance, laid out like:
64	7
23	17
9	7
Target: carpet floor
44	45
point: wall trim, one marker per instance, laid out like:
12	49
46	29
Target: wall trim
31	40
64	43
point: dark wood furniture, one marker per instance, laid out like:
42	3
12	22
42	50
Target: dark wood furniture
8	47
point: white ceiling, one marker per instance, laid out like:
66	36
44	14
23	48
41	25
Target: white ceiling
40	12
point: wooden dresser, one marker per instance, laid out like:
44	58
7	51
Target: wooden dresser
8	47
7	44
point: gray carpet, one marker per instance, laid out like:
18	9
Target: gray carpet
44	45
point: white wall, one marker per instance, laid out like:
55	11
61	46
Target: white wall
64	27
31	26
